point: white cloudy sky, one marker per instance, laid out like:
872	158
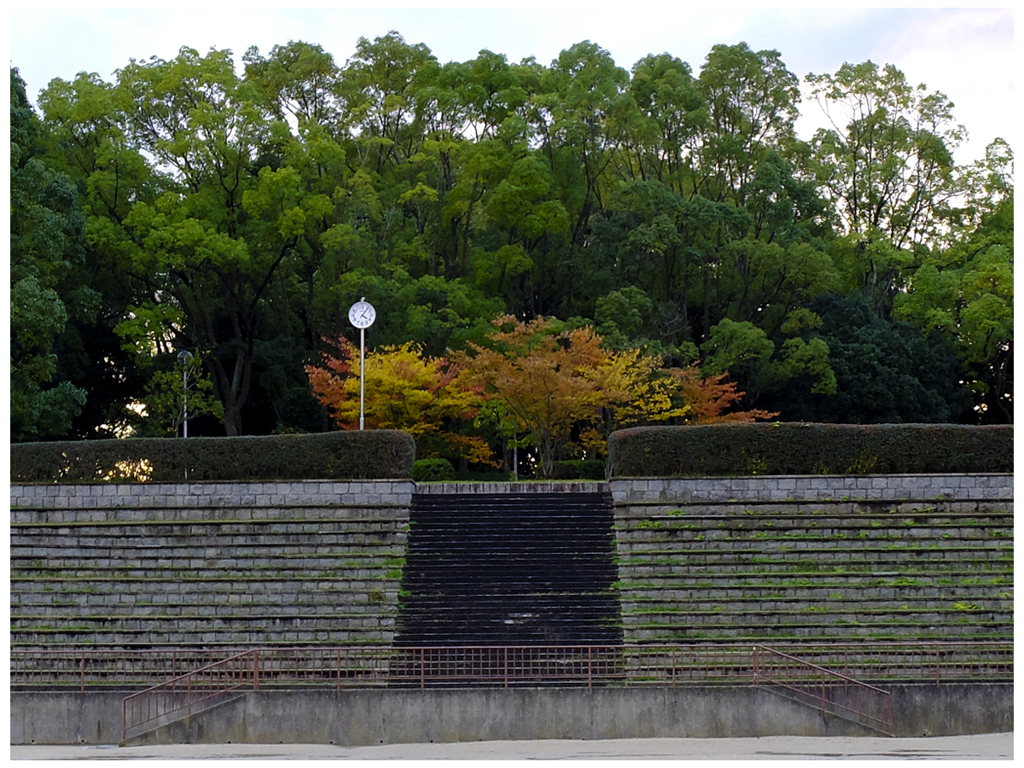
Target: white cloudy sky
965	53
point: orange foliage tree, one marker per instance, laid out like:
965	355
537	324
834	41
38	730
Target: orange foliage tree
403	390
708	398
556	383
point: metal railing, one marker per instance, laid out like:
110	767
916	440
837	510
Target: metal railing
506	665
94	667
824	689
368	666
180	695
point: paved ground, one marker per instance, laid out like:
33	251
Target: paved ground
996	746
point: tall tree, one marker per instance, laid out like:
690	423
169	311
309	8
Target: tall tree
885	166
204	266
47	280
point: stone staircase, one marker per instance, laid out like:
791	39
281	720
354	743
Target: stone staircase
821	572
510	569
194	572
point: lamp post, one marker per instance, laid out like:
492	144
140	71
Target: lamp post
361	315
184	357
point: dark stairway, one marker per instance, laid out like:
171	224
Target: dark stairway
525	569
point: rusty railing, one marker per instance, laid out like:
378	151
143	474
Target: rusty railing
178	696
369	666
506	665
824	689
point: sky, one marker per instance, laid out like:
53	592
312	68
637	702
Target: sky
967	54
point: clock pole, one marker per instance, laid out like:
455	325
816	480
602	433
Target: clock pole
362	368
362	315
362	374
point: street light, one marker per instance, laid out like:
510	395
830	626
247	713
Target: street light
184	357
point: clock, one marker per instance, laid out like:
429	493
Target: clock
362	314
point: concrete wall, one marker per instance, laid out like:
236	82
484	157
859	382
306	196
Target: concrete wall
363	717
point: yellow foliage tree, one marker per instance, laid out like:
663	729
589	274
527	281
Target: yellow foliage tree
403	390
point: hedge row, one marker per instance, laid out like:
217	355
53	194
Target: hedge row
809	449
371	454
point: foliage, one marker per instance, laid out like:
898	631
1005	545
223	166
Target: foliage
885	372
561	387
177	393
403	390
380	454
432	470
707	399
47	238
670	208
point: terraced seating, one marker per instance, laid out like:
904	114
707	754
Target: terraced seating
510	569
278	577
808	573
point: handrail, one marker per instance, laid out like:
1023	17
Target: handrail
824	689
182	693
368	666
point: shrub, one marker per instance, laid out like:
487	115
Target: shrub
370	454
432	470
579	469
805	449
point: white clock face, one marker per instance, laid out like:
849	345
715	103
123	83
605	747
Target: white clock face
362	314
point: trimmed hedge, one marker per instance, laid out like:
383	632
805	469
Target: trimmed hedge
809	449
371	454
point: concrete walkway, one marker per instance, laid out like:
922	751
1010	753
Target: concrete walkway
996	746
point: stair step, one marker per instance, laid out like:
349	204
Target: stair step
527	568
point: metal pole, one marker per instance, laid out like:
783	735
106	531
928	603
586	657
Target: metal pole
362	374
184	396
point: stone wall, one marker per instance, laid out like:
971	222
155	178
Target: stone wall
915	489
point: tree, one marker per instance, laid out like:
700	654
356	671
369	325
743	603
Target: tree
47	281
201	265
709	398
672	212
174	394
403	390
554	384
751	107
544	378
964	294
884	371
886	168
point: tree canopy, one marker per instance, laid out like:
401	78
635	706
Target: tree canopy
662	217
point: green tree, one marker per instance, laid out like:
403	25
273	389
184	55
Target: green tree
885	371
751	108
203	258
47	286
886	167
964	294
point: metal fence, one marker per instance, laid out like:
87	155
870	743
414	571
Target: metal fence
369	666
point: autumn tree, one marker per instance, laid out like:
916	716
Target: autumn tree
406	390
555	383
709	399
